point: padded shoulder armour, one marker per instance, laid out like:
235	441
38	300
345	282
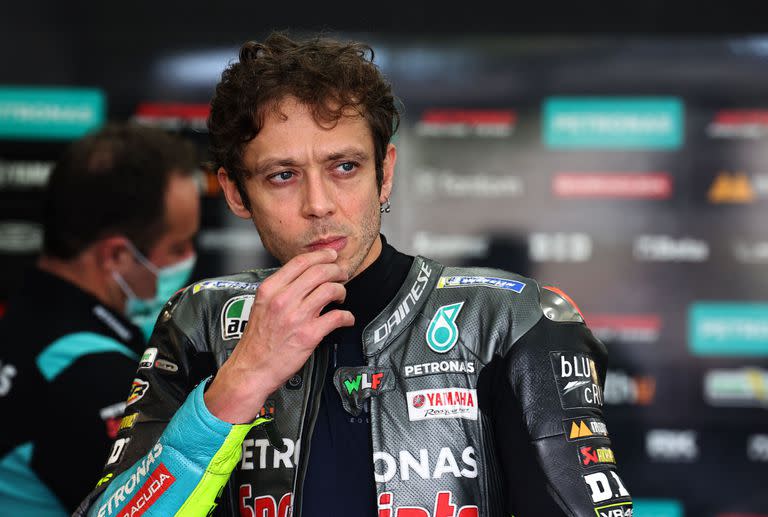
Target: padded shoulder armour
558	306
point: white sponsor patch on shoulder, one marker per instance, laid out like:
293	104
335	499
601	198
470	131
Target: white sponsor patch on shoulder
480	281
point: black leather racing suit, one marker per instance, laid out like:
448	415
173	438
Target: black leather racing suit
485	393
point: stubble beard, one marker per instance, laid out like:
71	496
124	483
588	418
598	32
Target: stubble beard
364	235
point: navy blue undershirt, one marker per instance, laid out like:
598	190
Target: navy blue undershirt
339	478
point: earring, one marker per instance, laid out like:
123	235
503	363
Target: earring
386	207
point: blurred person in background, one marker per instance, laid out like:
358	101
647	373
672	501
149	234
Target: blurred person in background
120	213
355	380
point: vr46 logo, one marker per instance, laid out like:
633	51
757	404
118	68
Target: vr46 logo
234	316
443	508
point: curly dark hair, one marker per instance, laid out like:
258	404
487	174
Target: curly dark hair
328	75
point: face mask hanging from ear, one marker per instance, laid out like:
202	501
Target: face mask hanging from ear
144	312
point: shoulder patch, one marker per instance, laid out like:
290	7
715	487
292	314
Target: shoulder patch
224	285
558	306
480	281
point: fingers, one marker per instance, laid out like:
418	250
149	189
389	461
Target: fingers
332	320
298	265
323	295
312	278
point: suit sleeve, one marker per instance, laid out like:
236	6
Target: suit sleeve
171	455
549	426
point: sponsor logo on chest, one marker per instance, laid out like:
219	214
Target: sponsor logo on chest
424	465
442	403
444	506
442	332
234	316
435	367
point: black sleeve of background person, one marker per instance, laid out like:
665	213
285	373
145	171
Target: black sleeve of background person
71	449
543	474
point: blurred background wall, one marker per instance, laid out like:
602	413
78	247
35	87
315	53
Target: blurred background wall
616	152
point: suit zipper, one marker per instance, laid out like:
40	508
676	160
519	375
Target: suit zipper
311	405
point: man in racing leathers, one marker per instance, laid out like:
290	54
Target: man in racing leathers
354	380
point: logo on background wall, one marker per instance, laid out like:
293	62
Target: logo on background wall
739	123
613	123
462	123
734	188
742	387
757	447
442	332
451	245
619	185
559	247
661	507
234	316
625	328
665	248
20	237
728	329
173	116
24	174
750	252
50	113
672	445
432	182
623	388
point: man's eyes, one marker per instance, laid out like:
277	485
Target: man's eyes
348	167
286	176
281	177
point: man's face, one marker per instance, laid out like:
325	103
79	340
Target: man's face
314	187
182	221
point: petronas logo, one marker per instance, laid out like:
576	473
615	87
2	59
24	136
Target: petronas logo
442	332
